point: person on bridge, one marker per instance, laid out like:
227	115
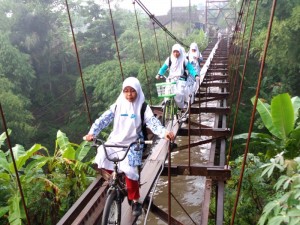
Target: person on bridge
195	58
177	65
127	127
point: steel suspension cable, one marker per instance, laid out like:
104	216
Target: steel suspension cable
232	93
262	65
159	23
116	41
78	63
142	49
14	163
233	48
241	85
158	55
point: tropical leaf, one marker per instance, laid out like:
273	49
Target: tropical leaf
295	220
62	140
271	206
3	161
16	211
65	147
18	150
23	158
82	150
283	114
281	180
278	220
3	210
4	176
37	164
3	137
264	110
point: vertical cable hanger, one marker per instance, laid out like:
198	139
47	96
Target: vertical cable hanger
167	41
241	85
232	93
14	163
234	47
116	41
142	49
260	76
78	63
158	55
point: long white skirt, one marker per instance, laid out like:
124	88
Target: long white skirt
103	162
180	93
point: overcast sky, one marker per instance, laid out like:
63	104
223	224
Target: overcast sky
160	7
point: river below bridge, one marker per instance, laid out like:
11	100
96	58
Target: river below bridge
188	190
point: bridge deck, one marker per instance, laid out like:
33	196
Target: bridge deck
88	209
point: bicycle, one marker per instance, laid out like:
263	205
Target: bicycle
167	90
116	192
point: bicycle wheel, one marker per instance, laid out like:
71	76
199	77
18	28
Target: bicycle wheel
168	113
112	210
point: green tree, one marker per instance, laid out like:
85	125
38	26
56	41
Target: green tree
58	180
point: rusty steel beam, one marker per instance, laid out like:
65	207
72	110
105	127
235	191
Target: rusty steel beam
183	147
216	110
215	77
214	132
97	188
208	100
211	172
223	95
215	84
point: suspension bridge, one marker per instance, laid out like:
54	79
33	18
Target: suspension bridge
219	83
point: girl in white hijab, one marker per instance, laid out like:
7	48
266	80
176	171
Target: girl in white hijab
127	127
195	58
177	64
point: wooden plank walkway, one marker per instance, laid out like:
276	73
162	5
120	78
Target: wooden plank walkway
150	171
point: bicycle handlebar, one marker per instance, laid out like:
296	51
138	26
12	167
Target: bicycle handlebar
97	142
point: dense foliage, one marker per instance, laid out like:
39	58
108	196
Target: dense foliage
41	92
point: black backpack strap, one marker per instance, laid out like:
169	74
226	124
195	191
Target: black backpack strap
170	62
143	109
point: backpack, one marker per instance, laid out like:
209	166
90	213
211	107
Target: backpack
184	76
144	127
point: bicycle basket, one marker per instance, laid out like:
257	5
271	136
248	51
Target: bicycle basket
166	89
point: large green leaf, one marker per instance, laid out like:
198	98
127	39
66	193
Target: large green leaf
37	164
18	150
283	114
62	140
3	137
3	161
29	153
66	149
16	211
264	110
82	150
3	210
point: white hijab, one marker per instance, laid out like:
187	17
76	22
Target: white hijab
193	54
127	120
176	68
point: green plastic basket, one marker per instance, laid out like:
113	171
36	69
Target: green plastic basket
166	89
